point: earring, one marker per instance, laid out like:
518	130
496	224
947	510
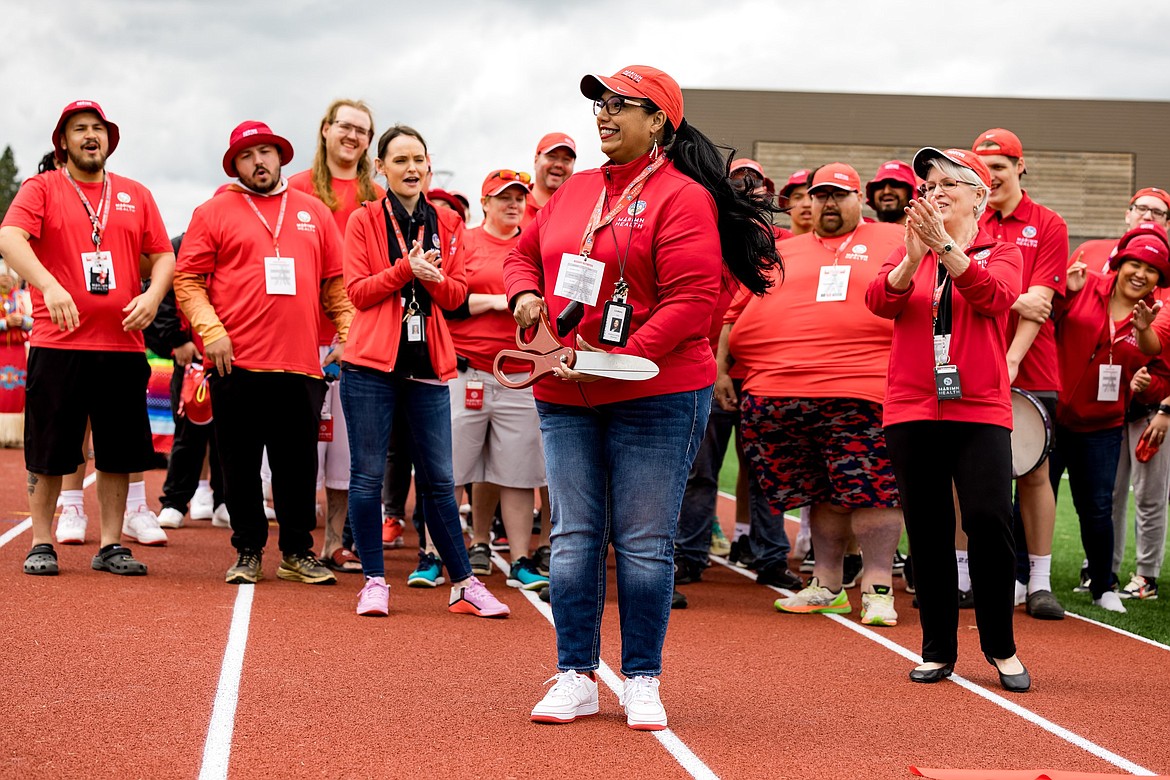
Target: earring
654	150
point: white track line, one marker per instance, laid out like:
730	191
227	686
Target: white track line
691	763
1121	631
1052	728
217	750
26	523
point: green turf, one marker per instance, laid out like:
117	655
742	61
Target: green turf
1150	619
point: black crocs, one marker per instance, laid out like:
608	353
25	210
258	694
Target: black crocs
118	560
41	560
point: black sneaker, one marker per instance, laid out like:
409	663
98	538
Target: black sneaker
1085	581
778	575
741	553
247	568
687	571
852	571
966	599
499	536
678	601
543	595
899	562
543	559
480	556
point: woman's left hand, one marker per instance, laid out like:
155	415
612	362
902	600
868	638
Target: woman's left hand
424	264
925	220
1143	315
568	374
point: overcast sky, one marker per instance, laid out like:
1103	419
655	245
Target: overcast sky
483	80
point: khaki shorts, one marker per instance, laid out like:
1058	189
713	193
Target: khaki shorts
499	443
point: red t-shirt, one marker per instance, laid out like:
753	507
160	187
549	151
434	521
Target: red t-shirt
228	242
346	191
796	347
1042	237
480	337
48	208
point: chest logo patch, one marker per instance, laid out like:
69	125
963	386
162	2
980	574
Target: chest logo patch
636	208
1029	232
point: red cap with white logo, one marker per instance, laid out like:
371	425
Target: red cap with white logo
76	107
252	133
895	171
554	141
1156	192
640	81
838	175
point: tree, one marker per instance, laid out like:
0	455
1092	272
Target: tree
9	182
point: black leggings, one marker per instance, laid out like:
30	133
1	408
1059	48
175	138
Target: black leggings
928	456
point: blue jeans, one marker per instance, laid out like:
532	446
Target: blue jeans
1091	459
616	474
368	400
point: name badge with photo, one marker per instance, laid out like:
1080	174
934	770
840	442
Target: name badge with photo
98	269
280	276
615	323
416	328
1109	383
834	283
579	279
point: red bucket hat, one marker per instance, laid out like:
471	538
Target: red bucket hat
640	81
1148	248
253	133
76	107
554	141
895	171
962	157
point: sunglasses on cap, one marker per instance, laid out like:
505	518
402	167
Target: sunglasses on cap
506	175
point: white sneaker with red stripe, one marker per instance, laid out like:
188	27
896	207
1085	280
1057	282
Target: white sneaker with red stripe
573	696
142	526
643	706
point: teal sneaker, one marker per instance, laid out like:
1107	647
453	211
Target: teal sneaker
524	575
428	573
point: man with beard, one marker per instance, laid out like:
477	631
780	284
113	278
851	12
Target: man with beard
816	363
890	191
555	156
341	179
83	238
258	263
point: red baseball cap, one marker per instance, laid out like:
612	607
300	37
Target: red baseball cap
500	180
1008	144
797	179
1156	192
556	140
962	157
446	197
895	171
76	107
745	163
639	81
838	175
252	133
1150	249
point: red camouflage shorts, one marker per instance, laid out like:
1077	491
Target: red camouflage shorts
818	451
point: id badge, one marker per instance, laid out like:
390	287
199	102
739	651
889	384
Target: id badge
416	329
98	269
325	428
473	395
280	276
942	350
946	383
615	323
579	279
1109	383
834	283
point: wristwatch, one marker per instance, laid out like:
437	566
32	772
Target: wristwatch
1163	408
946	248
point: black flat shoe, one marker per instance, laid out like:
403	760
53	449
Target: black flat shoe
931	675
1014	683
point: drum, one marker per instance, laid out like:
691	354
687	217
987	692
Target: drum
1031	433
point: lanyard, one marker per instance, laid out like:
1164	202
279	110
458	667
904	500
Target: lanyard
398	234
279	219
1113	337
96	218
836	252
629	195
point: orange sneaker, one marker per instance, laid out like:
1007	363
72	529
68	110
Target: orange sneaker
392	528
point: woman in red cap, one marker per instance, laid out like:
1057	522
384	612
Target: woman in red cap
1099	333
403	266
638	241
948	412
495	431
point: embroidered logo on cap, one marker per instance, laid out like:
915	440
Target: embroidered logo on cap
633	76
246	133
841	176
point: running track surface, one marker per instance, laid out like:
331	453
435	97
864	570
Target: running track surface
113	677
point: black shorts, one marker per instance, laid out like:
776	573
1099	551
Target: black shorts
68	386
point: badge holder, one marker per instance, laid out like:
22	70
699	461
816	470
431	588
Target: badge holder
473	394
416	324
616	317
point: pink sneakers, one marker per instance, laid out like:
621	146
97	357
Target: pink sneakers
471	597
374	599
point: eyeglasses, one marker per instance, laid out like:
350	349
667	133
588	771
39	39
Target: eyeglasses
346	128
836	195
614	105
946	185
1153	212
506	175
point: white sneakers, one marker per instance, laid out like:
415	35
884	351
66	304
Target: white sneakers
1111	601
644	710
202	504
221	518
142	526
573	696
71	525
170	517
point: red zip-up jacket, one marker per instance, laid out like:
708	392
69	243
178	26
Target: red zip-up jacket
981	299
375	288
1082	336
670	240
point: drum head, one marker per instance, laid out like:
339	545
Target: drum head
1031	433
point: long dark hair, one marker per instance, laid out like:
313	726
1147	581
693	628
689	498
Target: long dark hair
745	219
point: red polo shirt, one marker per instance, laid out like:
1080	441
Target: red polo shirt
1042	237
